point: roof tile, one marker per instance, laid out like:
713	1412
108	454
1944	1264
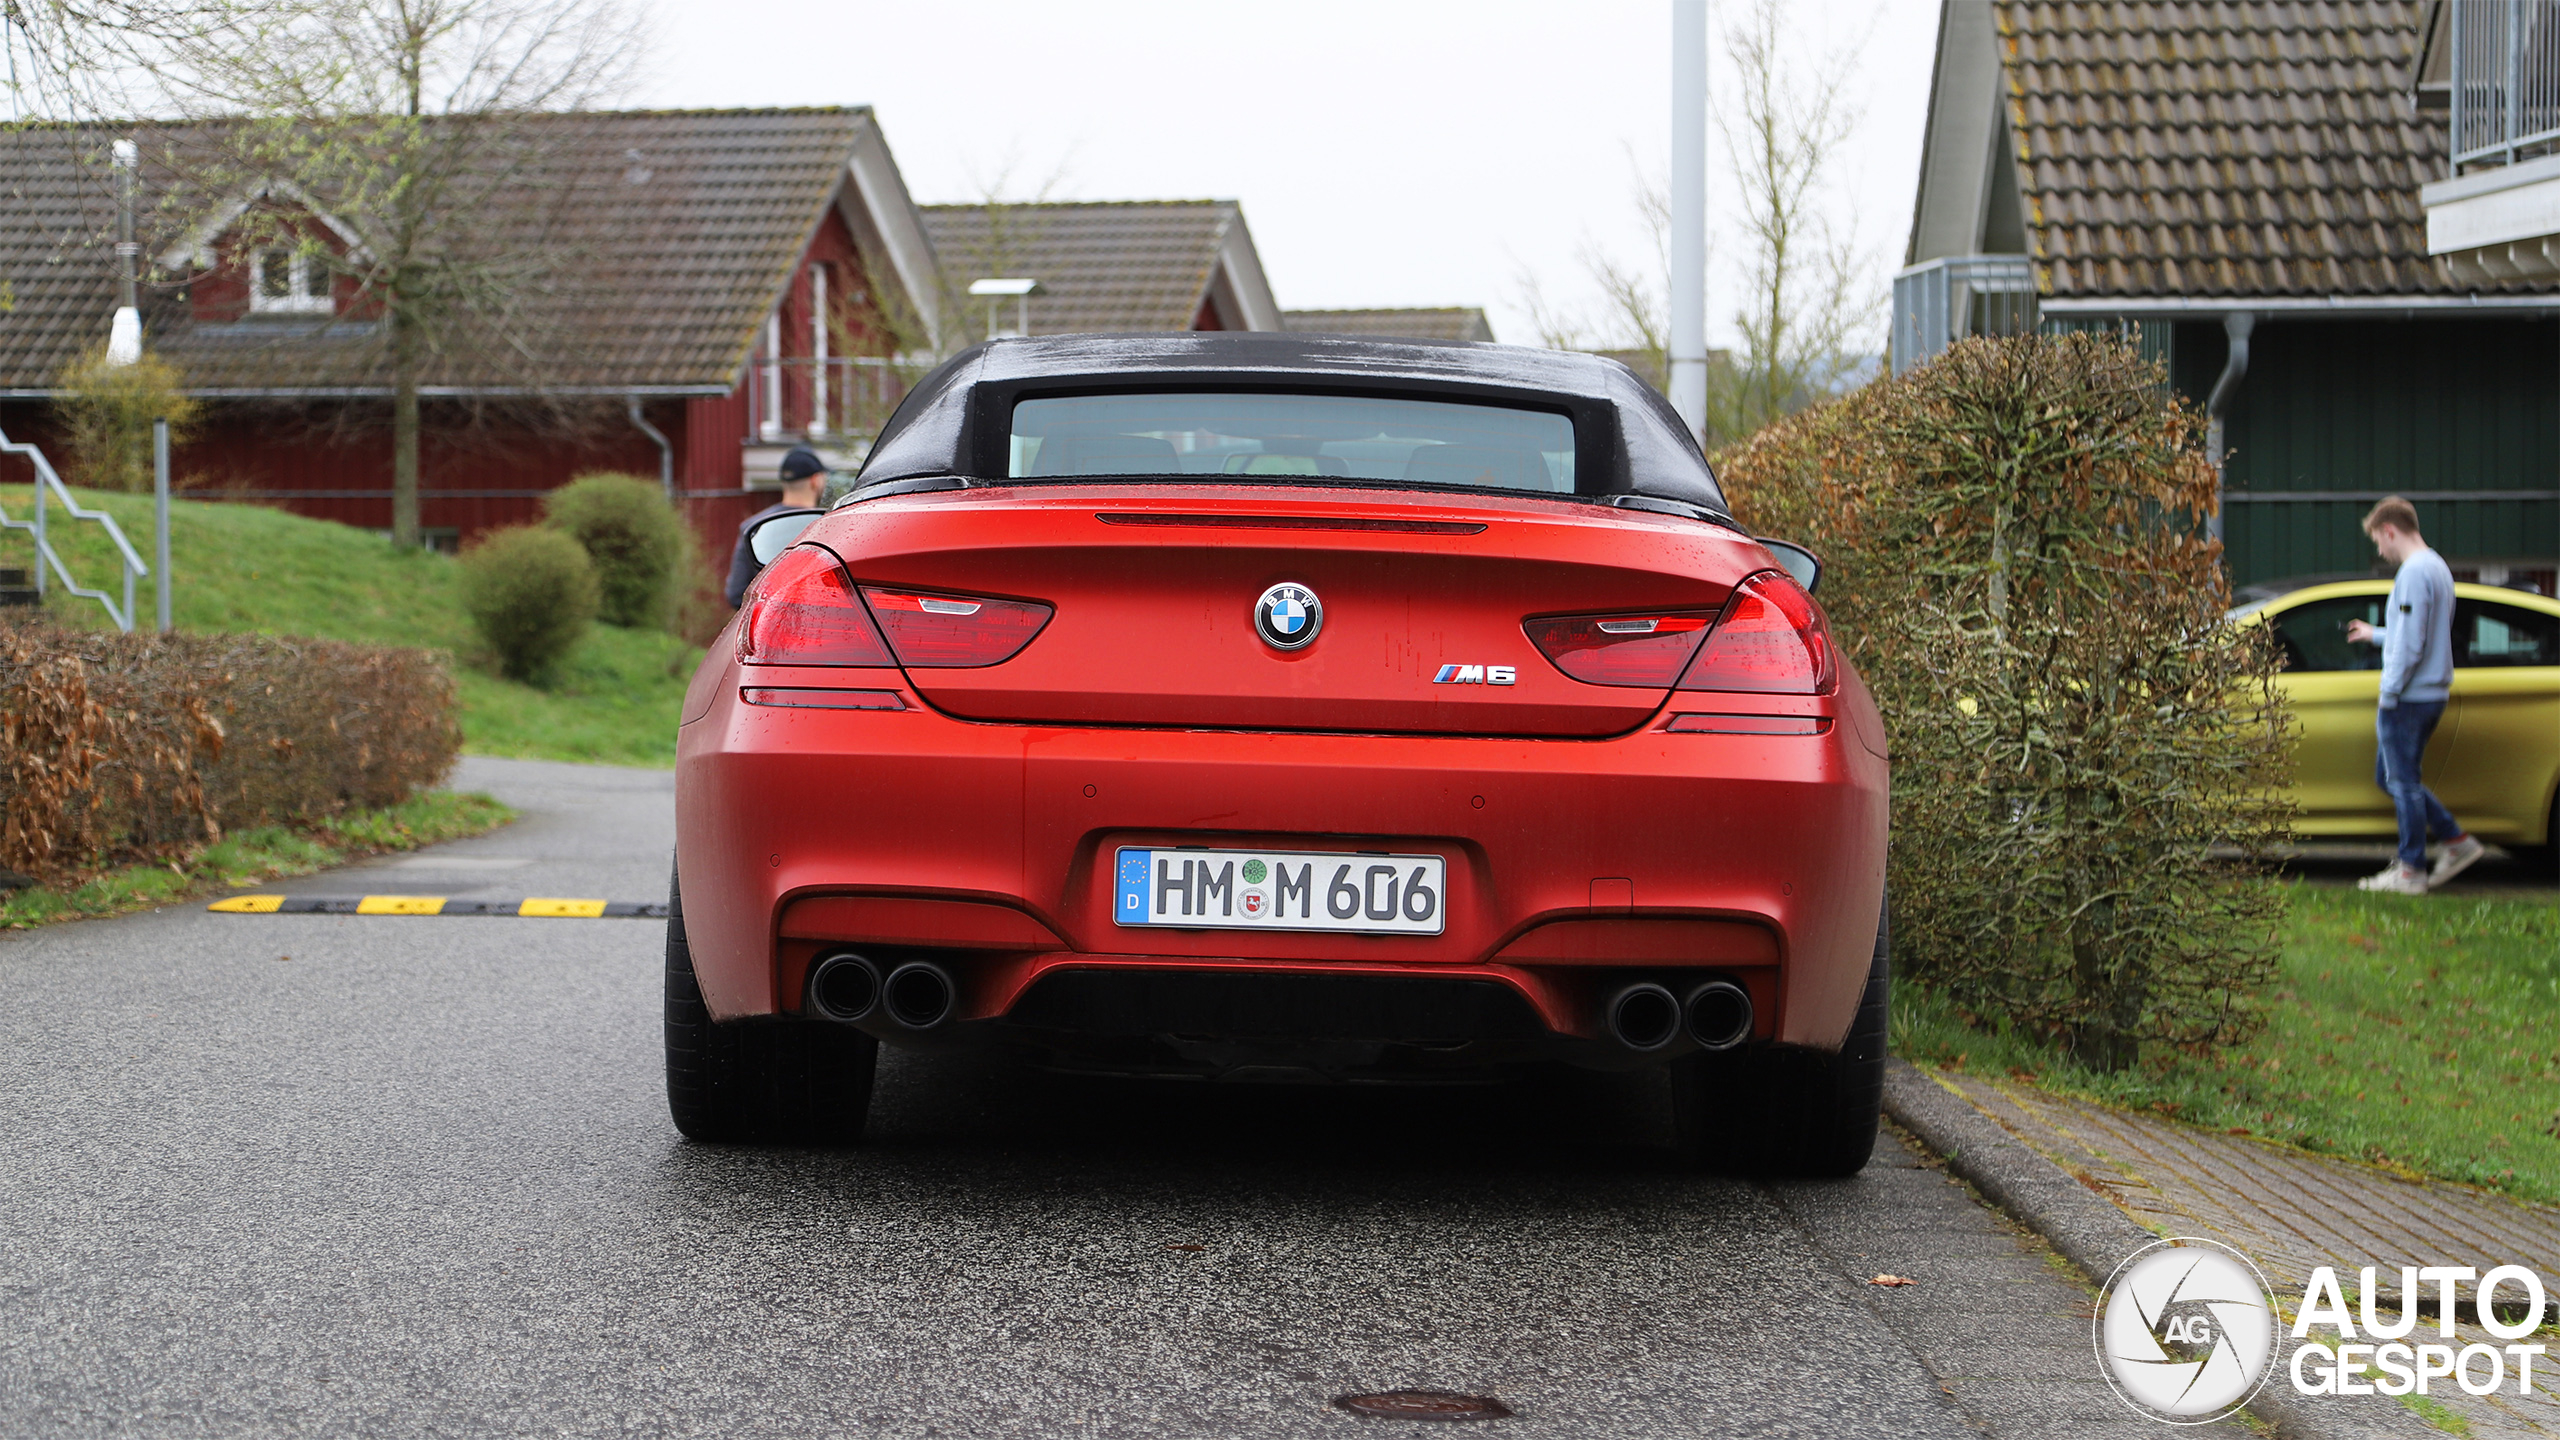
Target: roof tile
679	229
1457	322
2168	148
1103	267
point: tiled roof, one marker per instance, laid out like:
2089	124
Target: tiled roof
1103	267
2222	147
1456	322
673	234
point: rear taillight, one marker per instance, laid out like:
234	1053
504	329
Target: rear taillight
953	632
1636	650
1771	638
802	611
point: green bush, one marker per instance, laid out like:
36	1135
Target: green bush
2088	761
701	611
107	411
635	538
532	592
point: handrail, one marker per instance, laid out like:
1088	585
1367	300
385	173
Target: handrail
47	481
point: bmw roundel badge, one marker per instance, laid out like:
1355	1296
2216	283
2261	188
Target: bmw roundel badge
1287	617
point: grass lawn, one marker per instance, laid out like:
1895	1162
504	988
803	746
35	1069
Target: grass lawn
265	853
250	568
2417	1032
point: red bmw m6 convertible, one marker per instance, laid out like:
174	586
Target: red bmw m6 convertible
1261	707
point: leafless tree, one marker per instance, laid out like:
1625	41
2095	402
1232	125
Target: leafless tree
1631	318
71	59
417	124
1809	300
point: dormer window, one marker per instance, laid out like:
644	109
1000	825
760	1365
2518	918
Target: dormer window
289	282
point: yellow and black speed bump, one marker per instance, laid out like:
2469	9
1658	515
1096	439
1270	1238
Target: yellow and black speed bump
540	907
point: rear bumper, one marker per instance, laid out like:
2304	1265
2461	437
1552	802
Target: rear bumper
1573	866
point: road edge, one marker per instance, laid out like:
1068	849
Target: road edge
2095	1236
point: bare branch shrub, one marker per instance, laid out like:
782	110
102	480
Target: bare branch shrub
123	748
2088	760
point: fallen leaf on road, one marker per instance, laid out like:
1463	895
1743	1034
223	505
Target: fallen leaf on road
1892	1280
1186	1247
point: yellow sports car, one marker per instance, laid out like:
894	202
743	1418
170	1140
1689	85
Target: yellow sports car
2495	759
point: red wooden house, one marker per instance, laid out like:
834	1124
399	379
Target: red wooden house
740	283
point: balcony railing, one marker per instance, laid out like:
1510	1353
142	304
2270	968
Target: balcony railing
1937	303
841	398
2505	62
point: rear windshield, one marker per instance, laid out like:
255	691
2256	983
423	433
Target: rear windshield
1414	442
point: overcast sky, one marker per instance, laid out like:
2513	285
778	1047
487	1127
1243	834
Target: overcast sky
1387	152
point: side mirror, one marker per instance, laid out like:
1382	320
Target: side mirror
774	533
1796	560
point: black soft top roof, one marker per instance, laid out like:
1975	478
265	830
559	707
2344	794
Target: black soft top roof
958	419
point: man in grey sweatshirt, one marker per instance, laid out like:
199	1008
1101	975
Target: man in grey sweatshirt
2416	636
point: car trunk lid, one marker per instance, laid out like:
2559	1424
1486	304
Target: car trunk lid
1422	602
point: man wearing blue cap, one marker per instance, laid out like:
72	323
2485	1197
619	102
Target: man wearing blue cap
802	473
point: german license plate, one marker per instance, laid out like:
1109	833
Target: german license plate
1281	890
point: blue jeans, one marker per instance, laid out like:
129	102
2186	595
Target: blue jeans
2402	732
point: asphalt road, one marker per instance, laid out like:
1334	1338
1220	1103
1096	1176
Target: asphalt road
354	1176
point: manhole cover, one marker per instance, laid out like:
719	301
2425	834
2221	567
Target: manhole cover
1424	1405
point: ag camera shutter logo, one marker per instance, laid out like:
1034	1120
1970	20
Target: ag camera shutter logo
2186	1330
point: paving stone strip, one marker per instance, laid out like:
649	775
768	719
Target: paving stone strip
2000	1324
2097	1237
2287	1209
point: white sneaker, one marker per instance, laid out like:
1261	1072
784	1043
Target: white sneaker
2453	859
2398	880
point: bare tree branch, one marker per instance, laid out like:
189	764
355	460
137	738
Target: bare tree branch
1810	299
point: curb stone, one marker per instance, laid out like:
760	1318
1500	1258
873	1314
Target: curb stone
2095	1236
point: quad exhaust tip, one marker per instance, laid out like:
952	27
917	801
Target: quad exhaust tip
1643	1017
920	995
1719	1015
844	987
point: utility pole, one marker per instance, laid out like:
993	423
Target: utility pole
159	521
124	335
1689	213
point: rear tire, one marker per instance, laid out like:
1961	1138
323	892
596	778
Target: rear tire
783	1078
1785	1110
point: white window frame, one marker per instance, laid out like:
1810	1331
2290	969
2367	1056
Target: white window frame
296	299
773	375
818	349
